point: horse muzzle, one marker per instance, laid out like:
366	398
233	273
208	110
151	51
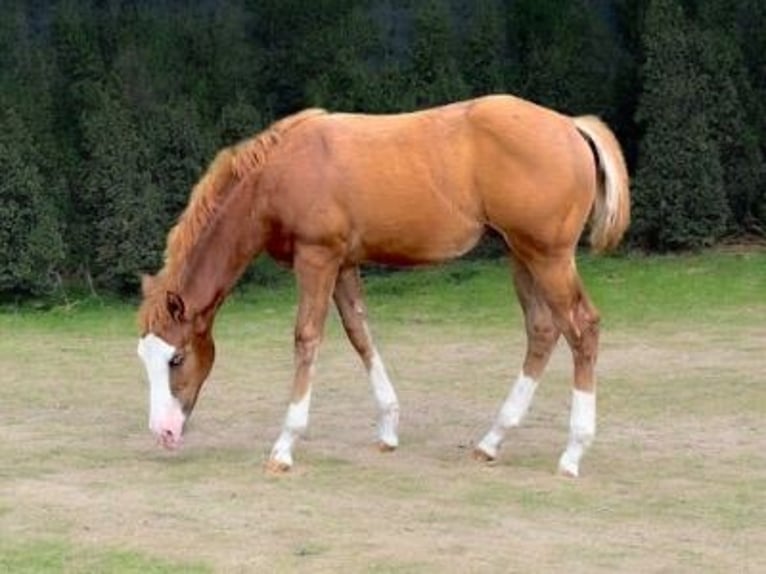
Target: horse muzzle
168	428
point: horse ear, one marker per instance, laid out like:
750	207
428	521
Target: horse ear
176	306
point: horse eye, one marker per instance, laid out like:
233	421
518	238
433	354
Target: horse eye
176	360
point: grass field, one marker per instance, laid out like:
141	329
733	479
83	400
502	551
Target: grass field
676	481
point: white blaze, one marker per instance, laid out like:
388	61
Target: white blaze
164	409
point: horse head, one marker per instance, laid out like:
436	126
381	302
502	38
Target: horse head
177	350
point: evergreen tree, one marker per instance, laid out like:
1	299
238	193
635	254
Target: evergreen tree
26	73
79	71
390	89
389	83
238	120
435	73
236	62
751	32
340	78
679	199
75	37
126	232
629	19
727	105
177	146
484	58
569	59
31	248
289	35
111	110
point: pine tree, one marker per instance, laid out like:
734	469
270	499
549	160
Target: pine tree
484	57
291	36
727	105
629	20
340	77
79	68
569	58
389	87
751	33
238	120
236	62
26	73
435	72
126	222
176	148
31	248
679	198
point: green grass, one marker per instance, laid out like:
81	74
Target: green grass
641	290
629	290
54	557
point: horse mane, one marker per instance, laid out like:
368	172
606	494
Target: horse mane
230	165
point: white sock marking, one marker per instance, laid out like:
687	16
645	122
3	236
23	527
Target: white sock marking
296	423
582	430
385	398
511	413
163	406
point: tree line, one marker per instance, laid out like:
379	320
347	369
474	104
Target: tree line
110	110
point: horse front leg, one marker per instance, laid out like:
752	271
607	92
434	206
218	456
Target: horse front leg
350	303
316	271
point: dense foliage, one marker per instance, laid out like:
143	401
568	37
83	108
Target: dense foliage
111	109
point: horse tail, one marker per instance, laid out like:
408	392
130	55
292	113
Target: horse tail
611	210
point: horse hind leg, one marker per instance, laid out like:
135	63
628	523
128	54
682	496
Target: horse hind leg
583	340
353	313
542	336
578	320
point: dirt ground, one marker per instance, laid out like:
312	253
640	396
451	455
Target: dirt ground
676	481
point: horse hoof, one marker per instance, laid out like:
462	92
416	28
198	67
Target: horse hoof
482	456
276	467
385	447
568	472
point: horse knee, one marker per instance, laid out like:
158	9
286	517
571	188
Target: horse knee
589	327
306	345
582	333
542	337
544	332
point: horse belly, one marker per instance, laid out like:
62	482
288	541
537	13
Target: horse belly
413	236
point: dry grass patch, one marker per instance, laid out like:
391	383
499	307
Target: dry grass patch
676	481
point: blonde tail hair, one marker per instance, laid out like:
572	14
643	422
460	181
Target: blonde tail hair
611	210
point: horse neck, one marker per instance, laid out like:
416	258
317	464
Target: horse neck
235	236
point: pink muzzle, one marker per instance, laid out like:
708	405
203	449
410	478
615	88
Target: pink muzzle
168	429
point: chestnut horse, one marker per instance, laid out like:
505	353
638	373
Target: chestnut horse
325	192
